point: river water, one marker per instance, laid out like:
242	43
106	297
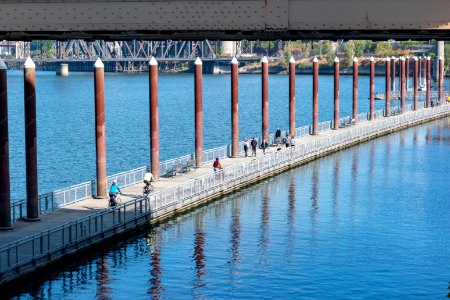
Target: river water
369	222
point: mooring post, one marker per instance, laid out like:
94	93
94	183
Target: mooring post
420	71
402	84
393	73
31	140
292	96
336	93
5	180
428	82
234	108
387	109
100	130
315	96
415	82
407	72
265	98
154	118
441	77
198	112
372	88
355	90
425	64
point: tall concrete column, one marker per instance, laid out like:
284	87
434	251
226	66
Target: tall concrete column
198	112
416	82
336	93
388	88
265	98
441	77
234	108
407	72
31	140
439	52
355	90
5	181
292	96
100	130
402	84
154	118
428	82
393	73
315	96
372	88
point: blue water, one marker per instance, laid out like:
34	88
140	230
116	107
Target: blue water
65	118
369	222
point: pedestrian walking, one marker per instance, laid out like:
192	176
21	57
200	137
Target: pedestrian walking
292	141
278	136
264	146
254	144
288	141
246	146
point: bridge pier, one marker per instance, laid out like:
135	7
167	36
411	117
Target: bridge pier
292	96
439	52
234	108
31	140
416	82
265	98
100	130
315	115
62	70
198	113
387	107
154	121
372	89
441	77
355	90
5	180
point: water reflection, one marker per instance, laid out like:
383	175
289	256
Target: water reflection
199	254
103	279
291	217
336	173
156	286
265	214
235	230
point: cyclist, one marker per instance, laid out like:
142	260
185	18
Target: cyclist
113	191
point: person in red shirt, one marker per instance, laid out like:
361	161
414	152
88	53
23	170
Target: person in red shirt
216	165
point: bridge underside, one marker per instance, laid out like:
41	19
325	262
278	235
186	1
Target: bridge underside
224	19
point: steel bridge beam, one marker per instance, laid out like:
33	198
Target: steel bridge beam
224	19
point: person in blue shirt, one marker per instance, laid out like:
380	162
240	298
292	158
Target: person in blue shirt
115	189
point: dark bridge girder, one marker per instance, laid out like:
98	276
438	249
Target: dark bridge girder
224	19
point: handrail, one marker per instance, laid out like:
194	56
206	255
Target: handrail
70	234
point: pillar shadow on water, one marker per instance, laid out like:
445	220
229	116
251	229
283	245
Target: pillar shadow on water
336	174
354	176
314	199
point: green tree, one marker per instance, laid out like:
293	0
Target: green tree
384	49
360	46
329	52
349	51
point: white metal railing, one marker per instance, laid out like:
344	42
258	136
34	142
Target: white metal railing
45	245
54	200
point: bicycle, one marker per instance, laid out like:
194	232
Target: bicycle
148	188
114	199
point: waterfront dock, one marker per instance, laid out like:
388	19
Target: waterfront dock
76	227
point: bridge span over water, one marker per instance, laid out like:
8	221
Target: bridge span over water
224	19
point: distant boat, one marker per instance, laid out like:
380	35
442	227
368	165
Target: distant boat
382	96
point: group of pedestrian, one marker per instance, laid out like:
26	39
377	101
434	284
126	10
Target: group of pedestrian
253	144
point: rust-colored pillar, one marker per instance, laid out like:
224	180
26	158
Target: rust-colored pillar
372	88
100	130
31	140
441	77
355	90
424	70
198	113
402	84
407	72
428	81
315	96
420	71
336	93
292	96
393	73
234	108
265	98
388	88
416	82
154	118
5	181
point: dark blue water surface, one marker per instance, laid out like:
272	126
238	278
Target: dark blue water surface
369	222
66	131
